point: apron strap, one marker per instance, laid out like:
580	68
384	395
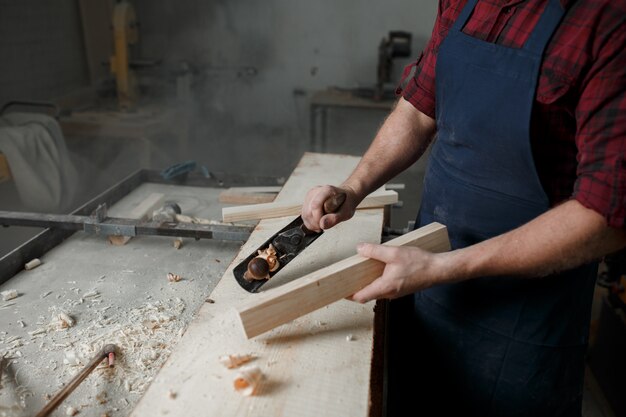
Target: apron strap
545	27
460	21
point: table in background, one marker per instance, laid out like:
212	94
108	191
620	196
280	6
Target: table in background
322	100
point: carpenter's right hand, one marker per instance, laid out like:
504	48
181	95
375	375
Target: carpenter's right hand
313	213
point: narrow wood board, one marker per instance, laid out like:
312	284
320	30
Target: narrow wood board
310	367
249	195
293	207
329	284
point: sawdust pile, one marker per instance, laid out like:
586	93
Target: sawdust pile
144	339
144	336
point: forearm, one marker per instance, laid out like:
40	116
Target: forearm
562	238
401	140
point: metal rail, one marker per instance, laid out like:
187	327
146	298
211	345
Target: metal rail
14	261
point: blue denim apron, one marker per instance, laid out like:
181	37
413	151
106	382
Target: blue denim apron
501	346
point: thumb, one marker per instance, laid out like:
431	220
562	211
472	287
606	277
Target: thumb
379	252
330	220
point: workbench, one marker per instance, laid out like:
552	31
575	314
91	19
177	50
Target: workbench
114	293
329	362
332	98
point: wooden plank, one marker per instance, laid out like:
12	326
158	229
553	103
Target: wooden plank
281	209
310	368
143	211
249	195
252	190
330	284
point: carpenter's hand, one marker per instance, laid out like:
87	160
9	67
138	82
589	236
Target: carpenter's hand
313	213
407	270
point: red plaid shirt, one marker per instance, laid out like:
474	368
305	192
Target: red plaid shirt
578	127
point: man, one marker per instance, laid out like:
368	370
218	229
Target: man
527	101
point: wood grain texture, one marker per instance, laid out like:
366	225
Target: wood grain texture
310	368
329	284
378	198
249	195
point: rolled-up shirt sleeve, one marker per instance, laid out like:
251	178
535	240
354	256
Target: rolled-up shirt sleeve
601	132
420	88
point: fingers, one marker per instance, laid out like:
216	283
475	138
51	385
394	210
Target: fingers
312	209
377	289
382	253
329	220
313	213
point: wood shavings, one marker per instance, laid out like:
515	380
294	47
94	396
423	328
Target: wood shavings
40	330
92	293
144	335
101	397
151	324
32	264
17	354
234	361
172	277
142	351
62	321
9	295
15	344
71	358
248	380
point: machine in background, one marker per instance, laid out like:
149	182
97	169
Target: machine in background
396	45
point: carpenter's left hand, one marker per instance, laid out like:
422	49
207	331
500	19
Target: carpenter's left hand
407	270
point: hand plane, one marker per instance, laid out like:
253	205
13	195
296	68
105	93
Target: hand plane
280	249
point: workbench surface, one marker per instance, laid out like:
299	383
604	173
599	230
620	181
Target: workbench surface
321	364
115	294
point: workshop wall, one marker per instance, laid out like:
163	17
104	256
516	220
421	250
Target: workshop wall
255	65
41	49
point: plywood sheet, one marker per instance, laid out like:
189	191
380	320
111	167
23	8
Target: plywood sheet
317	365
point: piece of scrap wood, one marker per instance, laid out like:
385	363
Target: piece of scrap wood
143	211
327	285
280	209
249	195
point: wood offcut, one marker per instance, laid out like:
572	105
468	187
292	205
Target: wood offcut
379	198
